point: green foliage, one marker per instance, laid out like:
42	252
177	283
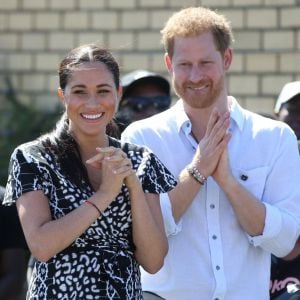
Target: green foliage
20	123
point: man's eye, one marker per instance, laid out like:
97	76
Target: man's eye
103	91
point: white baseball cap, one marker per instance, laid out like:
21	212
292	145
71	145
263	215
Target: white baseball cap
289	91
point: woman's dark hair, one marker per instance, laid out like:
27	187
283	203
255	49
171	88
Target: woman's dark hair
85	54
60	141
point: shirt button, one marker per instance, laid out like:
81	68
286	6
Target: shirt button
212	206
244	177
218	268
214	237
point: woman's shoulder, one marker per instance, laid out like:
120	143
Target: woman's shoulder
33	151
29	147
127	147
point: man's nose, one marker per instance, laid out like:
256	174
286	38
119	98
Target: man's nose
196	73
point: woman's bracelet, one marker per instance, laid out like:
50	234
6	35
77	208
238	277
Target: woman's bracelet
194	172
93	204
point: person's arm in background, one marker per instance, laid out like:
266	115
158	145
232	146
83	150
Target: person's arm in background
13	266
13	254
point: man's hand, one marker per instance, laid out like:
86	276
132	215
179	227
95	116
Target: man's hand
213	144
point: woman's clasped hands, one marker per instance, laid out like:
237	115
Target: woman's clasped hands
116	169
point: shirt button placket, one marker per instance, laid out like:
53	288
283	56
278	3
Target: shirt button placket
215	243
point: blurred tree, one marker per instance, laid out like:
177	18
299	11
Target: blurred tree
20	123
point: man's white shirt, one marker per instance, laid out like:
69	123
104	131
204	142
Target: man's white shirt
210	256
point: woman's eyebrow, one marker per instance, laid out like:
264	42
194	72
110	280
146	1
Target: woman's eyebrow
98	86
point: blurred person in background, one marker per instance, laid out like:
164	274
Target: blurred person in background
286	271
287	108
144	94
13	253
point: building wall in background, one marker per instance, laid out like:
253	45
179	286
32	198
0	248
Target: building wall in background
36	34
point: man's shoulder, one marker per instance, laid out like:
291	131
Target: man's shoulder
262	122
266	131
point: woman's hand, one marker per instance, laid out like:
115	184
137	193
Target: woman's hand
115	167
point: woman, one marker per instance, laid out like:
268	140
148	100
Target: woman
89	205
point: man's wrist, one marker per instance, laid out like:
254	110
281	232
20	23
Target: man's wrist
196	174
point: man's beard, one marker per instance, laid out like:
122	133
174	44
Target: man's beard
199	101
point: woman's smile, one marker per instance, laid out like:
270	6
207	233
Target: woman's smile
92	116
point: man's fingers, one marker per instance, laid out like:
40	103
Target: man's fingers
220	130
212	121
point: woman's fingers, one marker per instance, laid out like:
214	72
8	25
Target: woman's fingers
111	150
96	160
108	153
120	166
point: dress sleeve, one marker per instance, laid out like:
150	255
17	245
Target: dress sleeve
23	176
155	177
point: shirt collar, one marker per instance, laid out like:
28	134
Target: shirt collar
183	122
236	115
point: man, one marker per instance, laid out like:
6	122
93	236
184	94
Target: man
238	192
144	94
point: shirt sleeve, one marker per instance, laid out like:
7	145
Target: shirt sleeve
281	199
23	176
171	227
155	177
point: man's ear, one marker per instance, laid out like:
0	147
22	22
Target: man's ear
168	62
61	96
228	58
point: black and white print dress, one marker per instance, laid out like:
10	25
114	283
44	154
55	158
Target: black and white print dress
100	263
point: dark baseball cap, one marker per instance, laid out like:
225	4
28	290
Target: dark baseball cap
130	80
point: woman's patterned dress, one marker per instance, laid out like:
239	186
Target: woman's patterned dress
100	263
